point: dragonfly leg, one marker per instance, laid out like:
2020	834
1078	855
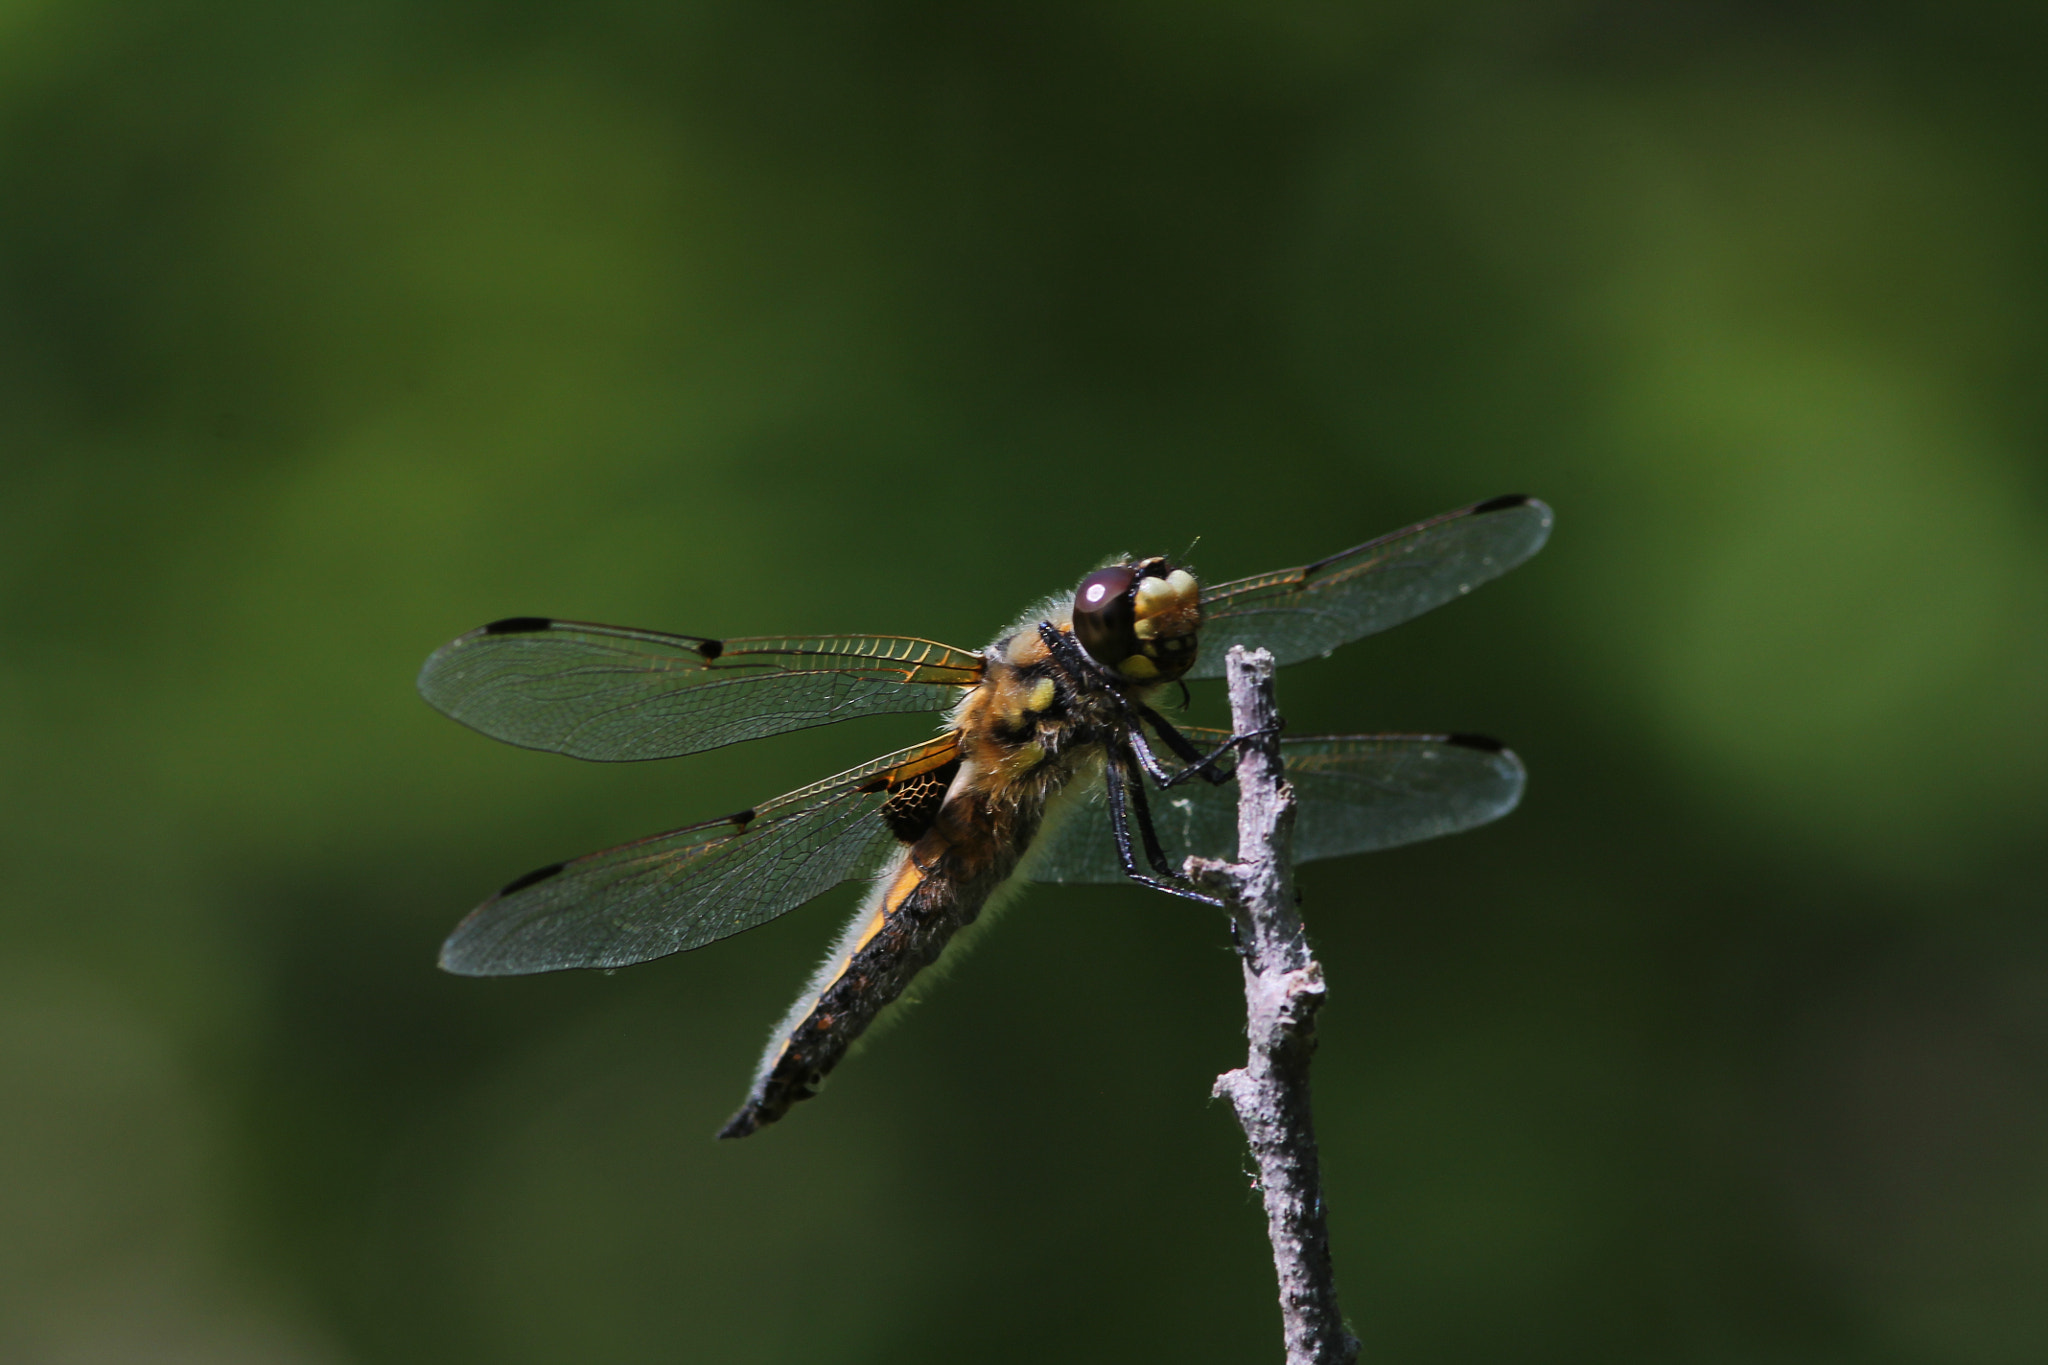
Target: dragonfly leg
1198	763
1139	807
1074	659
1124	795
1078	665
1141	750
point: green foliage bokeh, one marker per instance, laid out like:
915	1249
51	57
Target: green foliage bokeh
327	333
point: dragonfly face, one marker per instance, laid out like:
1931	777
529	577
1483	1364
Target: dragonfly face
1040	772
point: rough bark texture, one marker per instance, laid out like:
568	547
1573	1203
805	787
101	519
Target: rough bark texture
1283	986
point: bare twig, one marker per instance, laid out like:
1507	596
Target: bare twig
1283	986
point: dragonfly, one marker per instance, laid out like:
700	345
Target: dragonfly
1048	766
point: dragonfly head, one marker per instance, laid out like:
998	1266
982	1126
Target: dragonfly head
1140	620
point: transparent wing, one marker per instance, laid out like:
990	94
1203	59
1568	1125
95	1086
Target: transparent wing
1354	794
614	694
692	886
1301	613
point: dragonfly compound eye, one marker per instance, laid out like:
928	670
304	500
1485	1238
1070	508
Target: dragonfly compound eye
1105	615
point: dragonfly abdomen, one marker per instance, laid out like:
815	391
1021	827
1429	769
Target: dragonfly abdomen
932	891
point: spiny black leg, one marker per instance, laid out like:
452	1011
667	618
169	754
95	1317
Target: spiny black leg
1119	820
1079	667
1149	761
1119	823
1141	816
1069	654
1171	737
1127	799
1198	763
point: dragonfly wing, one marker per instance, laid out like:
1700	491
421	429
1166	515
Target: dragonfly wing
693	886
1354	794
1301	613
615	694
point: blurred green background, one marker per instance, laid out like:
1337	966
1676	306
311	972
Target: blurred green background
328	332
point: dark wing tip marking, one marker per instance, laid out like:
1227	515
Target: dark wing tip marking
1482	742
743	818
1502	503
519	625
539	874
710	649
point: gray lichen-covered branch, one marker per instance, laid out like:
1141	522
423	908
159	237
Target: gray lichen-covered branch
1283	986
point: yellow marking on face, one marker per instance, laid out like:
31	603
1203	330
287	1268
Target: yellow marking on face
1167	609
1041	695
1138	666
1158	596
1154	596
1026	756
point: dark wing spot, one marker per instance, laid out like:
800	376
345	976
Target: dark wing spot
1491	746
742	819
1501	503
519	625
539	874
710	649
